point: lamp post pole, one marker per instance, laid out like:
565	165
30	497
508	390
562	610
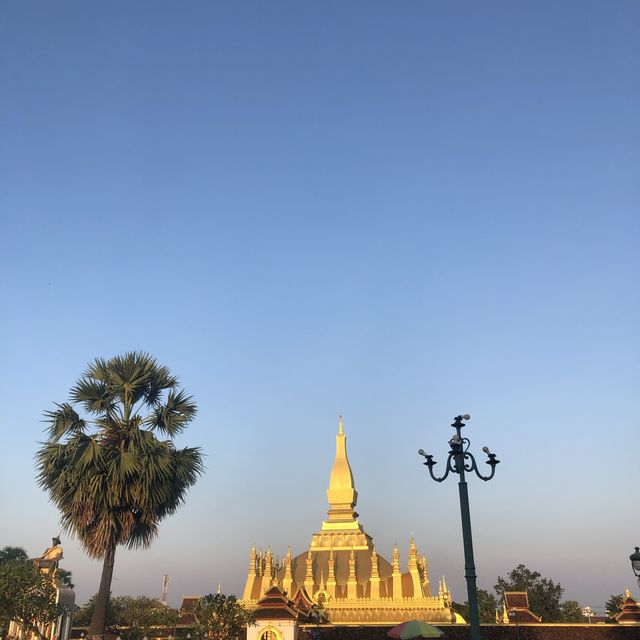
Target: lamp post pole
459	461
635	563
514	616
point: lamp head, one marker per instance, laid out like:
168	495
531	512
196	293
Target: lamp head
635	561
421	452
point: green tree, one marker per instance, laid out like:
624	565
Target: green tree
27	596
65	578
487	605
136	617
544	594
613	606
571	611
83	614
131	618
12	553
108	473
220	617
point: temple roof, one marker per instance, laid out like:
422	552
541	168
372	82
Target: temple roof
516	606
630	611
276	605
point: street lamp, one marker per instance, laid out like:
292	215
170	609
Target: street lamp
587	612
514	616
635	563
459	461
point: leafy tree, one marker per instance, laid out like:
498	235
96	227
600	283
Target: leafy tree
131	618
220	617
487	604
544	594
83	614
136	617
12	553
65	578
613	606
108	473
571	611
27	596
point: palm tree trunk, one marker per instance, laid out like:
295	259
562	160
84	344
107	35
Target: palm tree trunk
99	617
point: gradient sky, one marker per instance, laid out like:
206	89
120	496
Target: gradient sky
403	211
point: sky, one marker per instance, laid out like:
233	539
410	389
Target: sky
397	211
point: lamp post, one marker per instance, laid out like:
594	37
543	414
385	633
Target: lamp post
514	616
635	563
459	461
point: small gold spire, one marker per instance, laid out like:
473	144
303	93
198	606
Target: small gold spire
340	427
374	563
395	561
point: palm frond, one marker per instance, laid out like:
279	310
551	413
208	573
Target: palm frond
94	395
64	420
172	417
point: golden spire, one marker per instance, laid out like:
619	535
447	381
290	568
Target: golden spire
395	561
309	567
341	493
268	564
374	563
252	561
286	563
308	578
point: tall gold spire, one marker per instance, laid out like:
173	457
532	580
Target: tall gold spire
341	493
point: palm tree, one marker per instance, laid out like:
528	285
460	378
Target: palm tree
108	473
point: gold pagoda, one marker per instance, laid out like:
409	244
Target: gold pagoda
342	572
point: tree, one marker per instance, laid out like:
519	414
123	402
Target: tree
136	617
131	618
487	605
571	611
27	596
12	553
82	616
108	473
65	578
220	617
613	606
544	594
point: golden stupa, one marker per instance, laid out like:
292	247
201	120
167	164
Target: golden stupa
342	572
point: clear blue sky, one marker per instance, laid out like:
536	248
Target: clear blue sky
401	210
